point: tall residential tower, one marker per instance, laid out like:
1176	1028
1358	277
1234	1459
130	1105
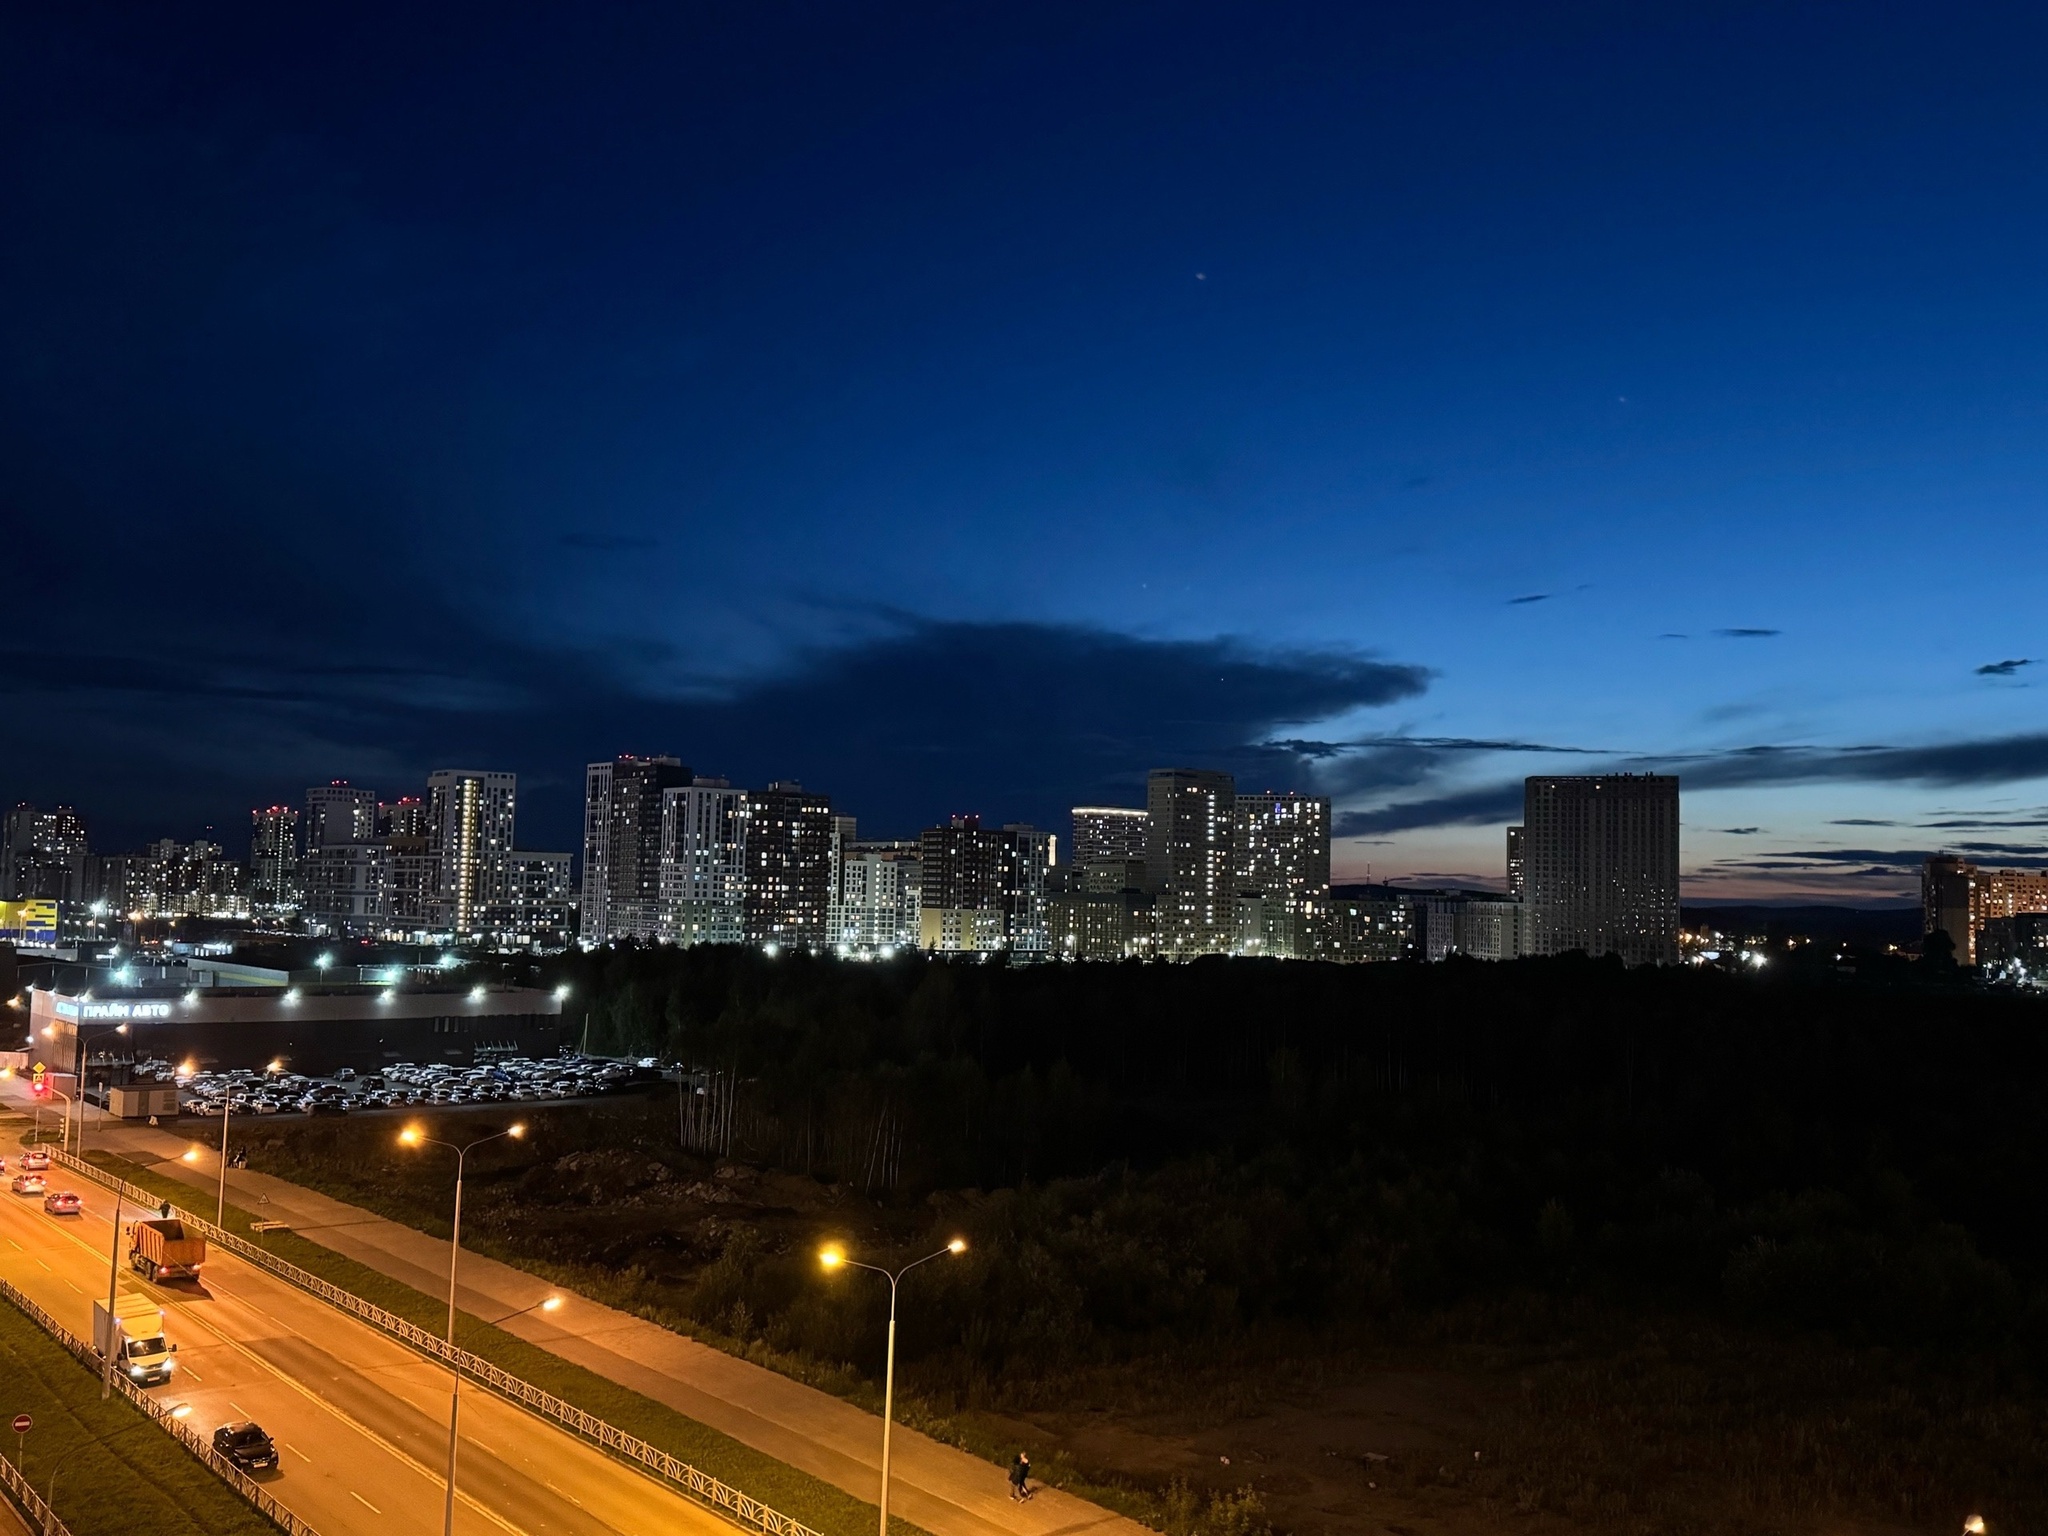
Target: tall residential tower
1600	866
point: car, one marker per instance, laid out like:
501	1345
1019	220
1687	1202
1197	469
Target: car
245	1444
326	1107
63	1202
35	1160
29	1184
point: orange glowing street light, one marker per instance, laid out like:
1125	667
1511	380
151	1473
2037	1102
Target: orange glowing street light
413	1136
832	1257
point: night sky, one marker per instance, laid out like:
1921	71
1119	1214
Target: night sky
968	407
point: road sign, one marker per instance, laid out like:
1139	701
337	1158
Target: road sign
23	1423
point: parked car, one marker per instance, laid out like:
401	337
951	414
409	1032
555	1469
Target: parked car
246	1446
62	1202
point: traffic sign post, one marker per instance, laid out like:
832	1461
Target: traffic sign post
22	1425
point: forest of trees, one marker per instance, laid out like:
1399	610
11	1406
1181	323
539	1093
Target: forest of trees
1165	1151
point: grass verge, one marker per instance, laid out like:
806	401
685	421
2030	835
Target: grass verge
116	1472
795	1493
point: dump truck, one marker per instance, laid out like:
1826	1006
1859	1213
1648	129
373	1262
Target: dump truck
160	1248
134	1335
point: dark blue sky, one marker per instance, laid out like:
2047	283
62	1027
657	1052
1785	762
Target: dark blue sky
967	408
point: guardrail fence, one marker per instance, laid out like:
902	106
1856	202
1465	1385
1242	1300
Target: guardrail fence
697	1484
191	1439
29	1501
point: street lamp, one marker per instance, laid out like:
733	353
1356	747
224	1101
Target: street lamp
545	1304
832	1257
413	1136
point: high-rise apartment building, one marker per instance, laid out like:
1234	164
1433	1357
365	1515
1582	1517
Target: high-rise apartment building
1600	866
880	889
1959	898
339	814
1032	854
703	859
348	889
274	888
983	888
788	843
472	810
1282	858
1100	910
407	816
44	856
1479	927
1108	833
539	911
593	908
622	846
170	879
1514	863
1190	860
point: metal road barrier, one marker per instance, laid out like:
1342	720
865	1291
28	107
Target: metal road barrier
193	1440
29	1501
699	1485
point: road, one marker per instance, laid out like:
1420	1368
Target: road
937	1486
360	1421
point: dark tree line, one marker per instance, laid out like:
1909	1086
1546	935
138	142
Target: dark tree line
1212	1146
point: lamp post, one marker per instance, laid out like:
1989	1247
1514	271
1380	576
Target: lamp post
413	1136
113	1281
220	1210
833	1257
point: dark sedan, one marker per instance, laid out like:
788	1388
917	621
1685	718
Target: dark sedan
246	1446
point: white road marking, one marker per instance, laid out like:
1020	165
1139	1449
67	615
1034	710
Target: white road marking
373	1509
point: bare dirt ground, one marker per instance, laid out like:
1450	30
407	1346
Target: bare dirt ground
1337	1463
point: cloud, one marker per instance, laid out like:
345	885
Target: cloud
1993	760
1739	831
1747	634
1672	634
1533	597
921	718
1466	808
2004	668
1862	821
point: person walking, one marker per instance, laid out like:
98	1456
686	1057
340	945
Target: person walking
1020	1474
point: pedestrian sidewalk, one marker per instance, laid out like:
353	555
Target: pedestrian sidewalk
945	1490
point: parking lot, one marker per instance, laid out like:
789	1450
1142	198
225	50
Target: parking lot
404	1085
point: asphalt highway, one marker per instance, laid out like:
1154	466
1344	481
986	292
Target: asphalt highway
361	1422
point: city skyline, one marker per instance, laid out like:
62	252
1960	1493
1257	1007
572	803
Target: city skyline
1384	406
